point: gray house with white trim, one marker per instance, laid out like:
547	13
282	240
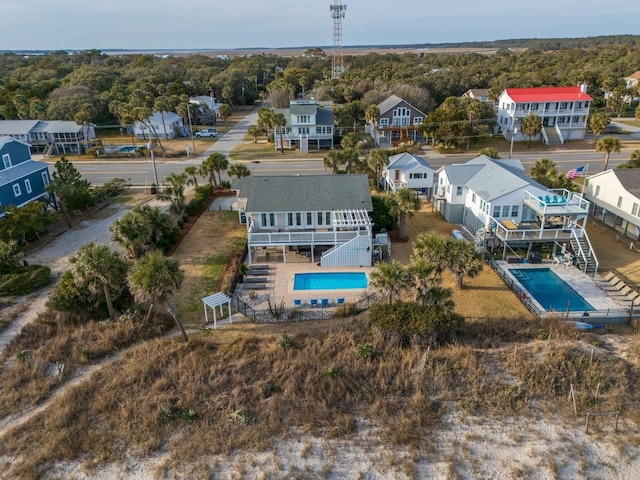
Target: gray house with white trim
324	216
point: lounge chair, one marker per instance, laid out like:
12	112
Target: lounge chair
555	199
547	199
626	290
563	200
313	302
340	300
608	277
324	302
613	285
540	201
297	302
633	296
259	266
255	280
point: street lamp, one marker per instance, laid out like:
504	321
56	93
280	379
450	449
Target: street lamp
513	134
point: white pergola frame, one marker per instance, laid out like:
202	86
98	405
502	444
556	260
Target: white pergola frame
213	301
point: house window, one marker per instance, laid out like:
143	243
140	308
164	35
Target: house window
459	190
634	209
298	219
319	218
619	202
309	218
27	186
514	211
16	190
417	120
397	175
6	159
384	122
473	198
496	211
263	220
505	210
290	219
327	218
597	190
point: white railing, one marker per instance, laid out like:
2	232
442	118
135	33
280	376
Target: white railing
557	201
545	136
302	238
585	255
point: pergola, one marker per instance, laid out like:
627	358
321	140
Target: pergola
213	301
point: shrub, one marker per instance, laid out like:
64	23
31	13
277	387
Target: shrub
364	350
411	321
194	206
287	342
204	191
26	281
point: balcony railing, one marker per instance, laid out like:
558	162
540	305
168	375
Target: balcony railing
557	202
303	238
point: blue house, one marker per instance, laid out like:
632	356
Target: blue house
22	179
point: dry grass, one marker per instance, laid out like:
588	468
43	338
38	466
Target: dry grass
53	339
9	311
246	392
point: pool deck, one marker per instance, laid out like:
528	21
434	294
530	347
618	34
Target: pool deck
605	305
280	277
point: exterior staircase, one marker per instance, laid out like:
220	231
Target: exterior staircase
48	151
585	257
553	137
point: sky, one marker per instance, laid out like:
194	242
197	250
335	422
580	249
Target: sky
228	24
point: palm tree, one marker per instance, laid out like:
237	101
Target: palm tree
376	161
490	152
405	202
462	259
608	145
153	279
372	115
280	122
544	171
390	278
421	275
192	171
174	191
333	160
220	164
132	232
97	268
225	112
161	104
531	125
598	123
238	170
255	131
431	247
212	164
633	162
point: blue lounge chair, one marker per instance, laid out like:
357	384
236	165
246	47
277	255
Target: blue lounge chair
555	199
340	300
324	302
563	199
313	302
297	302
547	199
540	201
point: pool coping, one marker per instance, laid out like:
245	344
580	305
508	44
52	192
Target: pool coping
605	307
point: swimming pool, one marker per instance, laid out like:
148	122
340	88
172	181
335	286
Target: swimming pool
550	291
127	149
330	281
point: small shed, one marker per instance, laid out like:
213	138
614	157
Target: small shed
216	300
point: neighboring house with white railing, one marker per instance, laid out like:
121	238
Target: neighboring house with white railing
563	111
309	124
615	196
398	119
408	171
322	217
60	137
496	198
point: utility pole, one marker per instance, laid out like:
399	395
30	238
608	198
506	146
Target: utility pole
193	142
337	13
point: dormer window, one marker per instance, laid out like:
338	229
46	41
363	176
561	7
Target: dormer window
6	160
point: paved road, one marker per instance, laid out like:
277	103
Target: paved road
141	172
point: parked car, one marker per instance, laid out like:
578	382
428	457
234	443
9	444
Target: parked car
209	132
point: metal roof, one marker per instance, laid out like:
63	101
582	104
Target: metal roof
406	161
460	174
547	94
17	127
304	193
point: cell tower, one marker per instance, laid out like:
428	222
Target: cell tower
337	13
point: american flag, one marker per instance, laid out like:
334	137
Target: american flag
575	172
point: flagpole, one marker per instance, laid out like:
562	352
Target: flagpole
584	181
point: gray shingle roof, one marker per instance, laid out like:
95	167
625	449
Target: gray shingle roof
305	193
303	109
391	102
630	179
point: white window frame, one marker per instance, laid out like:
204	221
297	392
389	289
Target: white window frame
620	202
383	122
496	211
634	210
27	185
505	210
16	190
6	160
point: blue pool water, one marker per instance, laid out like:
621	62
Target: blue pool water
126	149
330	281
549	290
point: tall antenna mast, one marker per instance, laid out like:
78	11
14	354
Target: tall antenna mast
337	13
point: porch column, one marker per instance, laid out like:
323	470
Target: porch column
284	254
